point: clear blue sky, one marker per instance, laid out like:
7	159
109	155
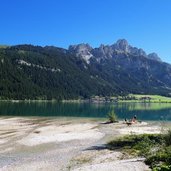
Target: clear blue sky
144	23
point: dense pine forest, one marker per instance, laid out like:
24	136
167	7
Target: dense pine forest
34	72
28	72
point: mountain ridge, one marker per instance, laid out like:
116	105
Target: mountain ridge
35	72
108	51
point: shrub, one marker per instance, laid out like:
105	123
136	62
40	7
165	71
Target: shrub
167	138
155	147
162	167
142	144
161	158
112	116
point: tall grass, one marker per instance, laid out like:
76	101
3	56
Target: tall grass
167	138
156	148
112	116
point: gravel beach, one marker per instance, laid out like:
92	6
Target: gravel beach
63	144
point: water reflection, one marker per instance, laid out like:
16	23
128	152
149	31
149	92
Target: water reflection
144	111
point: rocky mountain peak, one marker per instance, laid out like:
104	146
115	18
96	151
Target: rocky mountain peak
122	44
154	56
81	50
121	47
80	47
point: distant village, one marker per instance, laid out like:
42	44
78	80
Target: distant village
107	99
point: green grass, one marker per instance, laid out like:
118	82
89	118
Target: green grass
156	148
3	46
136	144
155	98
138	98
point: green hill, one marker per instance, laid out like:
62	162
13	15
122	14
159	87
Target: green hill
34	72
29	72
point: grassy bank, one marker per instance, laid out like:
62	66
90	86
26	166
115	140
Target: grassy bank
131	98
145	98
155	148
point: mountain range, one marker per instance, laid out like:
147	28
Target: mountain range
35	72
86	52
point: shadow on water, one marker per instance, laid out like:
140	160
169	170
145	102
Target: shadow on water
144	111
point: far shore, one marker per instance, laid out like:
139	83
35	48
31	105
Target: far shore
84	101
131	98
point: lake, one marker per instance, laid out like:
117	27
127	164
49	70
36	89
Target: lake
144	111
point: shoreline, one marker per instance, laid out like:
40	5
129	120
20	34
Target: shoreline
69	143
84	101
129	98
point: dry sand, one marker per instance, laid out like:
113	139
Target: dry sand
52	133
65	144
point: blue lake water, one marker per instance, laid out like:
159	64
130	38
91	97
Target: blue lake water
144	111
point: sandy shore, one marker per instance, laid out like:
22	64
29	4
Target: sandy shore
66	144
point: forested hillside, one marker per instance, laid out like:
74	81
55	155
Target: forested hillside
28	72
34	72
